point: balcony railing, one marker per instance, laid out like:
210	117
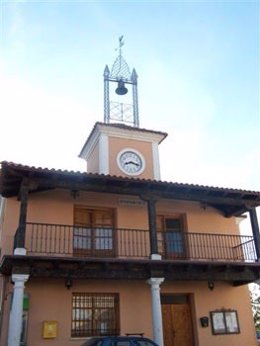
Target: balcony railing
65	240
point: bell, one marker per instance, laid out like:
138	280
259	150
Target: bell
121	89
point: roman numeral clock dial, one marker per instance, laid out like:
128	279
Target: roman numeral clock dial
131	162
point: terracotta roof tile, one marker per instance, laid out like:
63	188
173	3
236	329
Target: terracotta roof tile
114	177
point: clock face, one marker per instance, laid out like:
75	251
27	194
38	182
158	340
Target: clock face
130	162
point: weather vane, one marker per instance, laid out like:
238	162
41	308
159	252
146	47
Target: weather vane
121	43
120	73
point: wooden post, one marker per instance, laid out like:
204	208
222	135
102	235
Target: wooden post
151	202
255	230
152	226
20	233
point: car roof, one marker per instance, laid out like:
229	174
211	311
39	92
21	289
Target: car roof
115	338
121	337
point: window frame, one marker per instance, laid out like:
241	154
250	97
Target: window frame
90	234
173	242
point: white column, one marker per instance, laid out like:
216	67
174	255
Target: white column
16	313
156	309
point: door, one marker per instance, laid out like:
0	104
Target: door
93	232
177	321
171	236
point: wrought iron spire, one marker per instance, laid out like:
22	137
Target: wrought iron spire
116	111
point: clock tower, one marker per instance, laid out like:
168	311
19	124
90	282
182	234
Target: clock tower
118	146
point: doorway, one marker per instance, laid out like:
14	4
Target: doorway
93	233
177	320
171	236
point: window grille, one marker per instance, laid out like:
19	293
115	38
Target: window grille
95	314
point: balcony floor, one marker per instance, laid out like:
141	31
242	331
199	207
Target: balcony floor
237	273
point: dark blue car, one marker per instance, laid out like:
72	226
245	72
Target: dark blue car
258	337
119	341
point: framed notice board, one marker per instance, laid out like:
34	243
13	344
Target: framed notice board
224	322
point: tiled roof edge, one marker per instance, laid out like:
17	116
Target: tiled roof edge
6	164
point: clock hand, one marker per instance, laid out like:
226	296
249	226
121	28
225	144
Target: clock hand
132	162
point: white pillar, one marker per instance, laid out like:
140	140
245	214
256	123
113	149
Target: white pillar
16	313
156	309
103	154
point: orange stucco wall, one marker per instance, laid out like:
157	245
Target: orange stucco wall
54	303
93	161
9	226
50	300
57	208
224	296
145	148
199	219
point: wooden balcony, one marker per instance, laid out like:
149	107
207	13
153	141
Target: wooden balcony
60	251
66	251
55	240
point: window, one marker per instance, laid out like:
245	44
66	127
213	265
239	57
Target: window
171	235
224	322
95	314
93	232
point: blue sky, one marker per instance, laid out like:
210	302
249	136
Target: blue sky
198	69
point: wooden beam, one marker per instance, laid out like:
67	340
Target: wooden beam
151	206
255	230
130	270
109	185
20	233
227	201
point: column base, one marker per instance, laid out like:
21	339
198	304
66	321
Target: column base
155	256
20	251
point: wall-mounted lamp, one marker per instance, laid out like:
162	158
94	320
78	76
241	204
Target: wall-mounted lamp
204	321
74	194
203	205
211	285
68	283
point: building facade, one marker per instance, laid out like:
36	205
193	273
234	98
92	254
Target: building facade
115	250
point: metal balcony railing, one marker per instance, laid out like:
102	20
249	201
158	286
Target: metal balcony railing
66	240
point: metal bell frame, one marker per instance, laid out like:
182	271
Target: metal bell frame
120	74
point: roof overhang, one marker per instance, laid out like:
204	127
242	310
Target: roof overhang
231	202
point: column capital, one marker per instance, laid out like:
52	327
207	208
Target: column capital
20	278
155	282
